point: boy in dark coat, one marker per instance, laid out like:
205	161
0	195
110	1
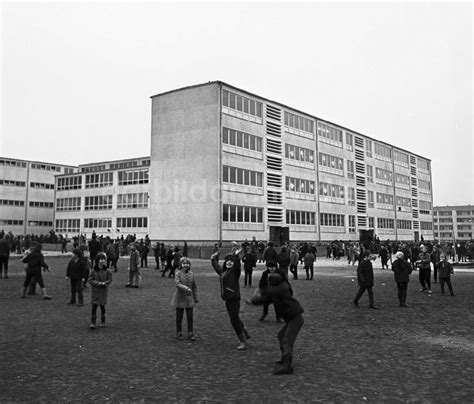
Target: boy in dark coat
365	278
445	270
280	293
402	270
229	275
76	273
263	285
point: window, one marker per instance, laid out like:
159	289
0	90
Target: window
423	164
424	185
350	169
351	199
385	200
241	214
370	173
330	134
370	199
300	217
11	202
39	204
68	204
383	152
45	167
67	226
349	141
97	223
403	202
299	153
426	225
66	183
331	192
131	177
368	147
41	185
242	107
40	223
352	223
13	163
401	159
99	180
425	207
383	223
403	224
11	222
100	202
12	183
299	123
243	140
402	181
331	164
132	201
299	185
130	222
383	176
332	220
234	175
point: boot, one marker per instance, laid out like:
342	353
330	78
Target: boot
243	345
23	293
45	295
286	367
280	361
93	320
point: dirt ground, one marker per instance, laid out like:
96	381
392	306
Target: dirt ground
343	354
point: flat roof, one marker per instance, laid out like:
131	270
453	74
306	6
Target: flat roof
218	82
40	162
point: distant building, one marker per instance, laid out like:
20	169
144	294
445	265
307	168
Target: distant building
27	195
110	198
227	164
453	223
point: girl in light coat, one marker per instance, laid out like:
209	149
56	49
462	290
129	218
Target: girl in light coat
185	297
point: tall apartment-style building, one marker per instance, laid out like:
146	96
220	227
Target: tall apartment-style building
228	164
110	198
453	223
27	195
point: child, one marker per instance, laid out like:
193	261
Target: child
100	279
309	259
76	273
134	271
263	284
185	297
445	269
250	262
280	293
365	278
34	264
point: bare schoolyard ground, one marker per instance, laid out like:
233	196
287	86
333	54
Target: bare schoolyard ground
344	354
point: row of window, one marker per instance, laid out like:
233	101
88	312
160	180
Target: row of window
132	177
299	185
298	122
38	204
241	176
128	177
241	139
241	214
300	217
73	225
241	103
330	134
45	167
12	183
11	202
66	183
299	153
12	163
99	180
124	201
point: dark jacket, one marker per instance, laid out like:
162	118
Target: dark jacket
250	261
283	260
77	270
270	254
229	279
94	247
4	248
445	269
282	297
425	260
35	261
402	270
365	273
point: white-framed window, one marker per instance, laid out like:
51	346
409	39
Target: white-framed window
132	177
331	192
403	224
370	173
351	199
240	139
330	134
99	180
349	141
299	153
332	220
370	199
132	201
98	223
384	200
241	214
68	204
384	223
350	169
66	183
98	202
352	223
299	122
67	225
383	176
241	176
331	164
242	107
41	185
299	185
383	152
11	202
300	217
131	222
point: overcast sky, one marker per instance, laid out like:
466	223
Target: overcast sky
77	78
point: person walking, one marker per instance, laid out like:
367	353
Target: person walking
401	270
229	275
250	262
185	298
283	260
99	279
280	293
365	278
309	259
424	266
76	274
294	258
4	255
35	263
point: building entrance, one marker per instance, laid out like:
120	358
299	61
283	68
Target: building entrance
279	235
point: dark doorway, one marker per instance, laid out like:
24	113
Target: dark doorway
279	235
417	236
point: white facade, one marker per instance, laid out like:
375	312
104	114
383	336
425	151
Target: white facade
110	198
454	223
232	165
27	195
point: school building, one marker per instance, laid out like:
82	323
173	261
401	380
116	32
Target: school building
227	164
453	223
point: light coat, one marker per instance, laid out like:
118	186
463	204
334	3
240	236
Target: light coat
185	295
99	292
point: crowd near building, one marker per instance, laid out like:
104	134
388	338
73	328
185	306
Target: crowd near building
226	164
